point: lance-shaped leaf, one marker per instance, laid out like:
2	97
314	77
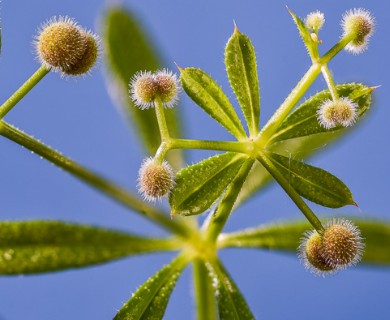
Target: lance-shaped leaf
204	292
231	303
198	186
206	93
151	299
297	143
128	50
313	183
41	246
286	237
311	46
241	67
303	121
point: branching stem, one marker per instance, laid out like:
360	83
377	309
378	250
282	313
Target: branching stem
309	214
23	90
102	184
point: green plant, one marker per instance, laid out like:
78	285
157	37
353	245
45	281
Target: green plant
31	247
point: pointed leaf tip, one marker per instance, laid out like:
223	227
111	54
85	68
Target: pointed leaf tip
235	26
241	67
312	183
178	67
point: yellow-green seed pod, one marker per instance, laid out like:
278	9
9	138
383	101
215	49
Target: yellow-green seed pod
360	23
342	244
167	87
143	89
310	253
60	44
89	58
146	87
155	179
340	112
315	20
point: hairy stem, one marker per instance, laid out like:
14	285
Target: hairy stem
204	292
162	122
309	214
336	48
233	146
23	90
289	103
103	185
329	81
222	213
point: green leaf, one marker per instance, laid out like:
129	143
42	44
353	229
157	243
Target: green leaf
42	246
198	186
241	67
303	121
128	50
313	183
231	303
303	146
150	300
286	237
305	35
206	93
204	292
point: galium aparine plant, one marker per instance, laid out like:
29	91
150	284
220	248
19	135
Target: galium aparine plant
216	185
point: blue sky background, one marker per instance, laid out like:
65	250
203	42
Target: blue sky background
78	118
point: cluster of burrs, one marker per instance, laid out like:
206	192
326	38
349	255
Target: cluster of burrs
156	177
339	244
359	25
64	46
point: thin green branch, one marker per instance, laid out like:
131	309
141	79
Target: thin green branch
162	122
225	206
309	214
329	81
23	90
103	185
204	292
336	48
233	146
292	99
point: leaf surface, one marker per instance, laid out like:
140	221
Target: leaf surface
313	183
298	144
150	301
286	236
231	303
42	246
303	121
200	185
241	67
207	94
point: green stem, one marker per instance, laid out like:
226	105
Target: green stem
105	186
336	48
299	90
289	103
329	81
222	213
233	146
162	122
204	292
161	152
267	163
23	90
